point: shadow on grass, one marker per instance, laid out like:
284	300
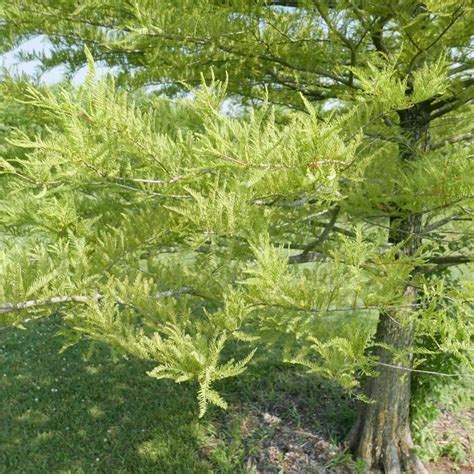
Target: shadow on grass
286	391
62	413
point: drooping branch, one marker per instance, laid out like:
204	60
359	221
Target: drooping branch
428	372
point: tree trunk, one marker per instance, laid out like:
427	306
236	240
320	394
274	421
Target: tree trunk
382	434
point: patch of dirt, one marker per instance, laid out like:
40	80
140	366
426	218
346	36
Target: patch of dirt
454	430
288	428
294	451
446	466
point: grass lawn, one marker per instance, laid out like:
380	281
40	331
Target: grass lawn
63	413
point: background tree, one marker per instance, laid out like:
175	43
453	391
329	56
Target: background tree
363	166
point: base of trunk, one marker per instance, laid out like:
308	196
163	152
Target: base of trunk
393	454
382	436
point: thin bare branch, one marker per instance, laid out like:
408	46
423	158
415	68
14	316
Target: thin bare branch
455	16
82	299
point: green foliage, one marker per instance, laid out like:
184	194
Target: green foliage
183	358
174	231
434	402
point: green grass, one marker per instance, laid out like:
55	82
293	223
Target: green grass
65	413
61	412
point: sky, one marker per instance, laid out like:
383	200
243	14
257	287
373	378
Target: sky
39	43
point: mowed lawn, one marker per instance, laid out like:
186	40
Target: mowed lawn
63	412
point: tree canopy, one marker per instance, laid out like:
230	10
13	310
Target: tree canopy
320	219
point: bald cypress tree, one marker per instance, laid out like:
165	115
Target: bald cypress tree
324	216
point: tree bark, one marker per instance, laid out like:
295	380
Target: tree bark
382	434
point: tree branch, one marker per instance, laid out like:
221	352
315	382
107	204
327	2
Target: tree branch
450	260
337	229
458	138
282	3
325	233
82	299
429	372
307	258
456	14
440	223
448	107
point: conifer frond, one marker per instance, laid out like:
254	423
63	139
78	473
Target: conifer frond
260	202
